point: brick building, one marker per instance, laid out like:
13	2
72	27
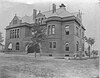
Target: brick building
64	30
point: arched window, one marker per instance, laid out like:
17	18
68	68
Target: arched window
17	46
10	46
77	46
67	46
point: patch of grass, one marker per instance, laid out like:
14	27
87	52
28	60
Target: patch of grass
4	73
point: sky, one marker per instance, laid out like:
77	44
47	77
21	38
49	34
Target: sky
89	8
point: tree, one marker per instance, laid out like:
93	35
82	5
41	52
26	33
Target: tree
90	42
1	38
38	35
95	52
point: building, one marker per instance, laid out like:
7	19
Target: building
64	30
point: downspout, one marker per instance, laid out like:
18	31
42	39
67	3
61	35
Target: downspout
61	38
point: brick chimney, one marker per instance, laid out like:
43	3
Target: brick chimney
34	13
53	8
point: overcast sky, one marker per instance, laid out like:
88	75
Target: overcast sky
89	8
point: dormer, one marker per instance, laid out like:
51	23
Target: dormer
40	18
15	21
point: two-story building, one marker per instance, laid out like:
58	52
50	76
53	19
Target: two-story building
64	30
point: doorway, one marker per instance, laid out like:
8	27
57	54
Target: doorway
33	48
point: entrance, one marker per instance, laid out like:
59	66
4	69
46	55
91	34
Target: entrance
33	48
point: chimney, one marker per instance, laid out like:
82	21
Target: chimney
53	8
62	6
34	13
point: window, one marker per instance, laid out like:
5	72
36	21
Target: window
11	34
36	20
77	46
39	20
49	30
67	46
17	46
10	46
50	43
14	21
14	33
17	33
42	18
77	31
67	29
54	44
53	29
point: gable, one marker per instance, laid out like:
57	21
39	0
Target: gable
40	15
15	21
